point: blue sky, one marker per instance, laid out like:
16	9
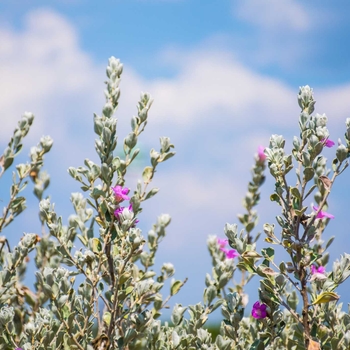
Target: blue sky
224	76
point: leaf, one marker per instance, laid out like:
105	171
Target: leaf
326	297
166	156
128	290
275	198
335	164
295	192
176	286
257	345
246	267
107	318
308	174
96	245
82	239
134	155
8	162
282	267
151	193
251	254
100	222
269	271
300	212
147	174
327	183
270	252
309	191
330	241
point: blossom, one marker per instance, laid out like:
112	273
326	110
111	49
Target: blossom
261	154
318	273
320	269
328	143
125	211
120	193
230	253
259	310
322	214
222	242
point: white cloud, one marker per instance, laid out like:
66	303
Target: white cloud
211	85
216	109
274	14
43	70
334	102
280	33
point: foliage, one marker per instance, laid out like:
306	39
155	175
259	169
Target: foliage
120	290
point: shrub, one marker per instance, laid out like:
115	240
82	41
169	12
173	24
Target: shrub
119	289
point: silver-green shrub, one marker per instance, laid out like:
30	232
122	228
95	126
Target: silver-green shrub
106	294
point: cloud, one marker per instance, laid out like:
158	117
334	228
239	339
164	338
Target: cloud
334	101
278	34
43	70
216	109
214	86
274	14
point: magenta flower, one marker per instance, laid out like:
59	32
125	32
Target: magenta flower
120	193
322	214
230	253
222	242
261	154
320	269
318	273
328	143
259	310
119	211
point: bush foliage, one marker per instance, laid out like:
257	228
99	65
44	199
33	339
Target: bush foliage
119	290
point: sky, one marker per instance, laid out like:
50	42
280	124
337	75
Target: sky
224	76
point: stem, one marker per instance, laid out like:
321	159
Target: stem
336	173
114	313
305	315
169	296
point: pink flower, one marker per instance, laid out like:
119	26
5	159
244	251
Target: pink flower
119	211
320	269
318	273
259	310
222	242
261	154
120	193
322	214
328	143
230	253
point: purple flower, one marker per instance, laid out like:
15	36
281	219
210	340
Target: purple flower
222	242
120	193
328	143
230	253
261	154
259	310
322	214
320	269
318	273
119	211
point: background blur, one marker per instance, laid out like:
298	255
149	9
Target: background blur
224	76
